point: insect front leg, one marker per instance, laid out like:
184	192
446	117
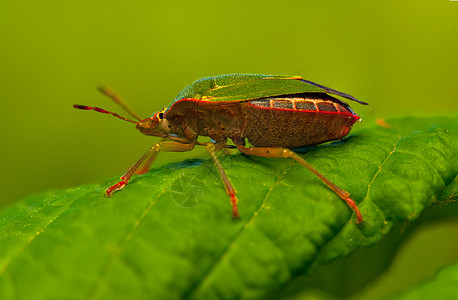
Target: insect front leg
169	146
146	164
287	153
211	149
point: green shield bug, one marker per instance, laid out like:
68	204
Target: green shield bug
274	113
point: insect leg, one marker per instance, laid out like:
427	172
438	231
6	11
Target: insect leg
145	166
287	153
227	184
169	146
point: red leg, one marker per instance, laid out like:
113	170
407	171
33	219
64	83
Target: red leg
144	168
284	152
169	146
227	184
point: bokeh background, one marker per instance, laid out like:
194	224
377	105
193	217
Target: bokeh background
400	56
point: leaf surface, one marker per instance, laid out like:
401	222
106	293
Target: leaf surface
169	233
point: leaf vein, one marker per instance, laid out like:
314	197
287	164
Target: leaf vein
32	238
116	253
395	145
231	244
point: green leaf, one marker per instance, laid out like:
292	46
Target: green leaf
169	233
444	286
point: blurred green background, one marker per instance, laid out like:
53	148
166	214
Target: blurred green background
400	56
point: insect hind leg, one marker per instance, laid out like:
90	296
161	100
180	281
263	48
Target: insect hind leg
288	153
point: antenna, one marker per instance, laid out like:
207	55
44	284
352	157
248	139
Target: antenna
109	93
103	111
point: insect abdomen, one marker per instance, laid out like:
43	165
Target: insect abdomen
295	121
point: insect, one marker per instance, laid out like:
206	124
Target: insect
274	113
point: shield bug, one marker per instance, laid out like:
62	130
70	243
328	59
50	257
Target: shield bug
274	113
